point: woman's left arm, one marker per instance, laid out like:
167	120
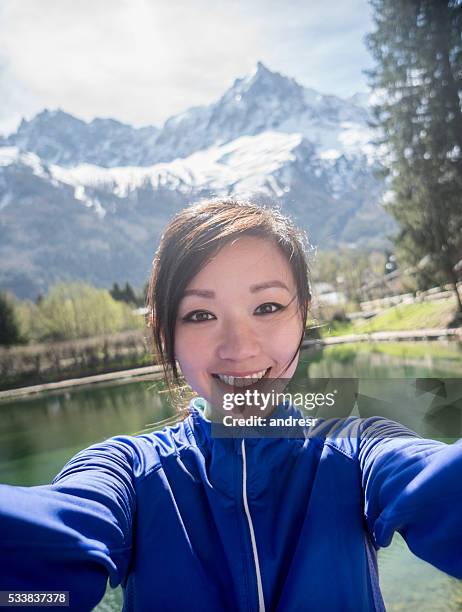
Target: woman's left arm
413	486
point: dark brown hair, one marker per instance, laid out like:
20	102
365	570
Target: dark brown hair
192	237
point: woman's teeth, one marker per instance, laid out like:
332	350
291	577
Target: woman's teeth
242	381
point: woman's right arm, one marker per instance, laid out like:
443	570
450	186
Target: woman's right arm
75	533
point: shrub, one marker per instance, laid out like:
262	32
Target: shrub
75	310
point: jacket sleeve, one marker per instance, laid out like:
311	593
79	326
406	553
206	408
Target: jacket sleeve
75	533
413	486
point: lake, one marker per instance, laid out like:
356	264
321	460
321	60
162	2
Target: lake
38	435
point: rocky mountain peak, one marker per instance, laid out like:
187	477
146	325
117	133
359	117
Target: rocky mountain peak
261	101
264	89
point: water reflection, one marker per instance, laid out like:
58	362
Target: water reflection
400	382
38	435
384	360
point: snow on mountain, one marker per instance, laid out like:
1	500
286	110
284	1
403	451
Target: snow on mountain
13	155
244	166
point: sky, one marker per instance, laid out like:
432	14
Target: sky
142	61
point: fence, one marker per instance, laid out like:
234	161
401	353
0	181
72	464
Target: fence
436	293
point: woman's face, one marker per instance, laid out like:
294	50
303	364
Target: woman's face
238	317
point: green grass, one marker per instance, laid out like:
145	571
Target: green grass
411	350
406	317
336	328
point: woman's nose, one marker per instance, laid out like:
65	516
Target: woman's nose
238	342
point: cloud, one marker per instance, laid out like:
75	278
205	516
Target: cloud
143	60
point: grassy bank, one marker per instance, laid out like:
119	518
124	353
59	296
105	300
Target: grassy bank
445	351
438	314
54	361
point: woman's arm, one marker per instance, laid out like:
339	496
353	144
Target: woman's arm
73	534
413	486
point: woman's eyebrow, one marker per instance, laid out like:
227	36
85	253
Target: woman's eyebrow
268	285
204	293
207	293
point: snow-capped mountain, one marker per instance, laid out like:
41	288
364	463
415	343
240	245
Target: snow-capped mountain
262	101
88	200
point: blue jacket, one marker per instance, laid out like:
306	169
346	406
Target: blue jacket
187	521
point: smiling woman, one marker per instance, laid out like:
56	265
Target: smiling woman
215	314
184	519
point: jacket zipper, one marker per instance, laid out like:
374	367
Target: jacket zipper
261	601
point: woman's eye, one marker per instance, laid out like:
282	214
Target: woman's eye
198	316
268	308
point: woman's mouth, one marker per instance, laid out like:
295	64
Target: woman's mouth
242	381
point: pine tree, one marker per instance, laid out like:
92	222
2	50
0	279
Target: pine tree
9	325
116	293
417	46
129	294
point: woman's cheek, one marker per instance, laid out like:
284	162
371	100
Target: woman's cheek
183	348
286	337
191	351
285	346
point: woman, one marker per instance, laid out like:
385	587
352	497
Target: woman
186	519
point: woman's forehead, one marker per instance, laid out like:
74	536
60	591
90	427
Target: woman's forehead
246	259
249	246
